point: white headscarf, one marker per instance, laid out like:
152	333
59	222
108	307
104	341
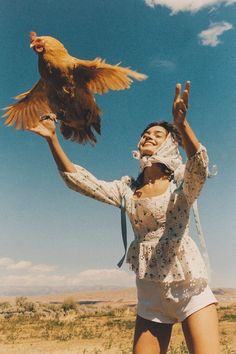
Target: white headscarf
167	154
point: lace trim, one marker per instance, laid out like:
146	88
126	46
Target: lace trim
163	262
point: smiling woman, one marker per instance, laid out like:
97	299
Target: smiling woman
152	138
171	277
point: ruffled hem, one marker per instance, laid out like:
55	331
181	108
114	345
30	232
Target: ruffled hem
150	260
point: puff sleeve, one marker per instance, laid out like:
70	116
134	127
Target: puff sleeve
86	183
196	172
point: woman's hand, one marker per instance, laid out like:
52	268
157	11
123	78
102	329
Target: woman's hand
45	128
180	104
180	107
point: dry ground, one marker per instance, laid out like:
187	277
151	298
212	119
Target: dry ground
90	323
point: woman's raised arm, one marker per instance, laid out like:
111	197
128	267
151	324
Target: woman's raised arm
77	177
196	170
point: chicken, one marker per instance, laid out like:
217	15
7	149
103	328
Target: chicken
66	91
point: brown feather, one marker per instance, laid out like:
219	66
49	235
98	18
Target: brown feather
19	112
27	121
8	112
18	121
9	119
100	76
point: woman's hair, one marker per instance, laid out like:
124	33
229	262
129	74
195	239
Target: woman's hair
171	128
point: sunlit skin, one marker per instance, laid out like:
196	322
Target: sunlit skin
152	139
154	180
201	328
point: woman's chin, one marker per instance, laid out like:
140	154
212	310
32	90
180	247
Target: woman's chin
147	152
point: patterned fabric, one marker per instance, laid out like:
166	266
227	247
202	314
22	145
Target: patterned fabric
162	249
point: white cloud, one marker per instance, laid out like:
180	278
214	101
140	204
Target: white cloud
88	278
30	280
6	262
44	268
163	63
25	273
20	265
9	264
210	36
188	5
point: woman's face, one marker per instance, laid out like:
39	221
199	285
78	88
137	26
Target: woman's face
152	139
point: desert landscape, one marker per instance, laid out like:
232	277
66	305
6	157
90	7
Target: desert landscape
91	322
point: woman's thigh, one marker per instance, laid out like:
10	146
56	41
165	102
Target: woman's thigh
201	331
151	337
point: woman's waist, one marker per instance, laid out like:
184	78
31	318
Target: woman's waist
160	235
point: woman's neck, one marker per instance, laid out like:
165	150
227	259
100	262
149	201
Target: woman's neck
153	174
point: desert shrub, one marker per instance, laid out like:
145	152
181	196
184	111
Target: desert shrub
24	305
69	304
231	317
53	324
64	336
5	305
97	351
20	301
89	333
182	349
121	324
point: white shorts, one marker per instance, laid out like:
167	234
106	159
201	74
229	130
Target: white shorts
170	304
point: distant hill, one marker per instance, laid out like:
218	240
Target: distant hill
99	295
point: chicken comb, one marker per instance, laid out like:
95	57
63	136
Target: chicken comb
32	35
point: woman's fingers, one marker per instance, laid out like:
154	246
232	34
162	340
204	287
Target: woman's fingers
185	98
180	104
187	86
186	93
181	107
177	92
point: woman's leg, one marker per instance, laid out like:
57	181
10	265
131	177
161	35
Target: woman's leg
151	337
201	331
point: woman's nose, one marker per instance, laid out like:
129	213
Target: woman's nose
149	135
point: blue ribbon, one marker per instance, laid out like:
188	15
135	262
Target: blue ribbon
123	230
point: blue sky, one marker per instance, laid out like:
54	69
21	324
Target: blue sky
53	236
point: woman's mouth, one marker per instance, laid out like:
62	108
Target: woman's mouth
149	143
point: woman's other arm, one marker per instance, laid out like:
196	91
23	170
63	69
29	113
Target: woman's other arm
180	106
196	169
76	177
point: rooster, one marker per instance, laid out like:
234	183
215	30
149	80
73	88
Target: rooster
66	91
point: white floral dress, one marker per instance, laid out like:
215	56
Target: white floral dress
162	250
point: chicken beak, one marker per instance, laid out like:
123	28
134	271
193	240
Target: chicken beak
32	44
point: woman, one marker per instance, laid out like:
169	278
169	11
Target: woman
170	274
